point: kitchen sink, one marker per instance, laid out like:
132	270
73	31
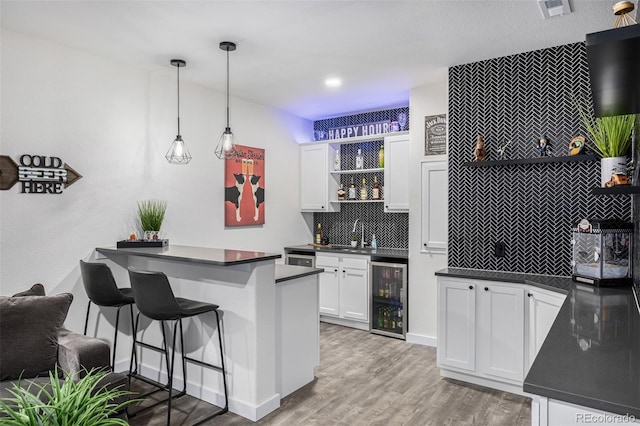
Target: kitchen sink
351	249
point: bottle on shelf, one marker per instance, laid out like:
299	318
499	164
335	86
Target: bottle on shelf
375	191
399	320
359	160
318	237
342	193
381	157
364	194
374	243
352	190
336	161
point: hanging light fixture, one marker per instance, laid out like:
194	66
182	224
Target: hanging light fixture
178	152
226	147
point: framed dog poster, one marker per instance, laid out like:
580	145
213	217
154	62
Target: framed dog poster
244	187
435	134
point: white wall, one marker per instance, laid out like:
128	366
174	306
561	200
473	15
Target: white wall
423	302
113	123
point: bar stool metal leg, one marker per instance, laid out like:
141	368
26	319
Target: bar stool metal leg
86	320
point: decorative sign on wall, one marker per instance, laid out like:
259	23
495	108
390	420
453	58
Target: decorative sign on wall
363	129
38	174
435	134
244	187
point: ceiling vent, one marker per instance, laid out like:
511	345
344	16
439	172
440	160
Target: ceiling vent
551	8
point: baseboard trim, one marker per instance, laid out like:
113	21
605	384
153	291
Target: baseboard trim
250	412
421	339
488	383
345	323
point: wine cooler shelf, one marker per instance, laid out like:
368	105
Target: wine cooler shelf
388	299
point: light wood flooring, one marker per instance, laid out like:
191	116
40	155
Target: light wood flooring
366	379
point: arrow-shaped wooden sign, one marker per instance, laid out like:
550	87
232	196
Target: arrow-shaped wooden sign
38	174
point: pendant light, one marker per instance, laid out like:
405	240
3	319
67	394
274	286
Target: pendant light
178	152
226	147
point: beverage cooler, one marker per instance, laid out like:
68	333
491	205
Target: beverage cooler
389	299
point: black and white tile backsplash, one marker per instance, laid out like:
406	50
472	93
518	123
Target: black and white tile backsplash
529	207
391	229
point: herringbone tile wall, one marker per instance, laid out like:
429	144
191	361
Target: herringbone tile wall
529	207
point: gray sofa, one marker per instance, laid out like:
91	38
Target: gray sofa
33	341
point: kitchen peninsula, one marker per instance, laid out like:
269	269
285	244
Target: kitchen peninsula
266	356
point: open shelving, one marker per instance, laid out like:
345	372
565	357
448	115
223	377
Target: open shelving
534	160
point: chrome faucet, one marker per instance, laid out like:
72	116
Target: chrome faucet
362	241
353	231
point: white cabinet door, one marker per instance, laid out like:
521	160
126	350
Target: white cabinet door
329	285
354	294
315	181
396	174
543	310
500	330
456	323
434	192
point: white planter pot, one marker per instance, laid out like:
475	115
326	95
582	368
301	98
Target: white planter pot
611	165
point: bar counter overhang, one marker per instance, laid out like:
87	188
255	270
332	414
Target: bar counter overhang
243	284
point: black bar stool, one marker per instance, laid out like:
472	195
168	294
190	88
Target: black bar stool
102	290
155	300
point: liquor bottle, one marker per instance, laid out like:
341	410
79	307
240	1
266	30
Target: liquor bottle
359	160
381	157
342	193
352	190
364	194
399	321
375	191
319	235
380	314
336	161
385	318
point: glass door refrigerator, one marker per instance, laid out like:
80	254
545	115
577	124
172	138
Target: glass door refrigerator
389	299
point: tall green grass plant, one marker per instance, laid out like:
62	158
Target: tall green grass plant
610	136
151	214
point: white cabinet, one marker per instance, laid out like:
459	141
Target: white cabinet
329	283
316	186
456	323
543	310
396	174
489	332
344	288
500	330
434	190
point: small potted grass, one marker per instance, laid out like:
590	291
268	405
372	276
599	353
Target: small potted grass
610	139
151	214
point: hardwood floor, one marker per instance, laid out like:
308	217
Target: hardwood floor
365	379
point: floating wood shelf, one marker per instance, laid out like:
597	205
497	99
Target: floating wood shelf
617	190
535	160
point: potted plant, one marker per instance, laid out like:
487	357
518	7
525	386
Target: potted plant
83	402
354	239
151	214
610	139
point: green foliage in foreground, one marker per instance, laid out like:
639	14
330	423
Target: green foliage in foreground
70	403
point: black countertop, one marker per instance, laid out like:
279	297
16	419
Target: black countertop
560	284
591	356
292	272
377	253
201	255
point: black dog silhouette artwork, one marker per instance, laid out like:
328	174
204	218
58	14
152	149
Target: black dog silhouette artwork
233	194
258	194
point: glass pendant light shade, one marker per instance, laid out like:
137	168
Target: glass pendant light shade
178	152
226	147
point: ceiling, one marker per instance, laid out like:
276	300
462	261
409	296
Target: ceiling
286	49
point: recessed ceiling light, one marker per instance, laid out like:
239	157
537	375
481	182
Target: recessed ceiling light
333	82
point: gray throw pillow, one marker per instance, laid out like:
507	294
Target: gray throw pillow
29	328
35	290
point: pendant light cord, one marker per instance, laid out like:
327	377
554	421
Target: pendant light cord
227	88
178	98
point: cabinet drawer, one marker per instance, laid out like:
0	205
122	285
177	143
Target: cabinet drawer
355	263
327	261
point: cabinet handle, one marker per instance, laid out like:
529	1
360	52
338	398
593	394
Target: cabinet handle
486	289
322	207
335	270
529	295
470	287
